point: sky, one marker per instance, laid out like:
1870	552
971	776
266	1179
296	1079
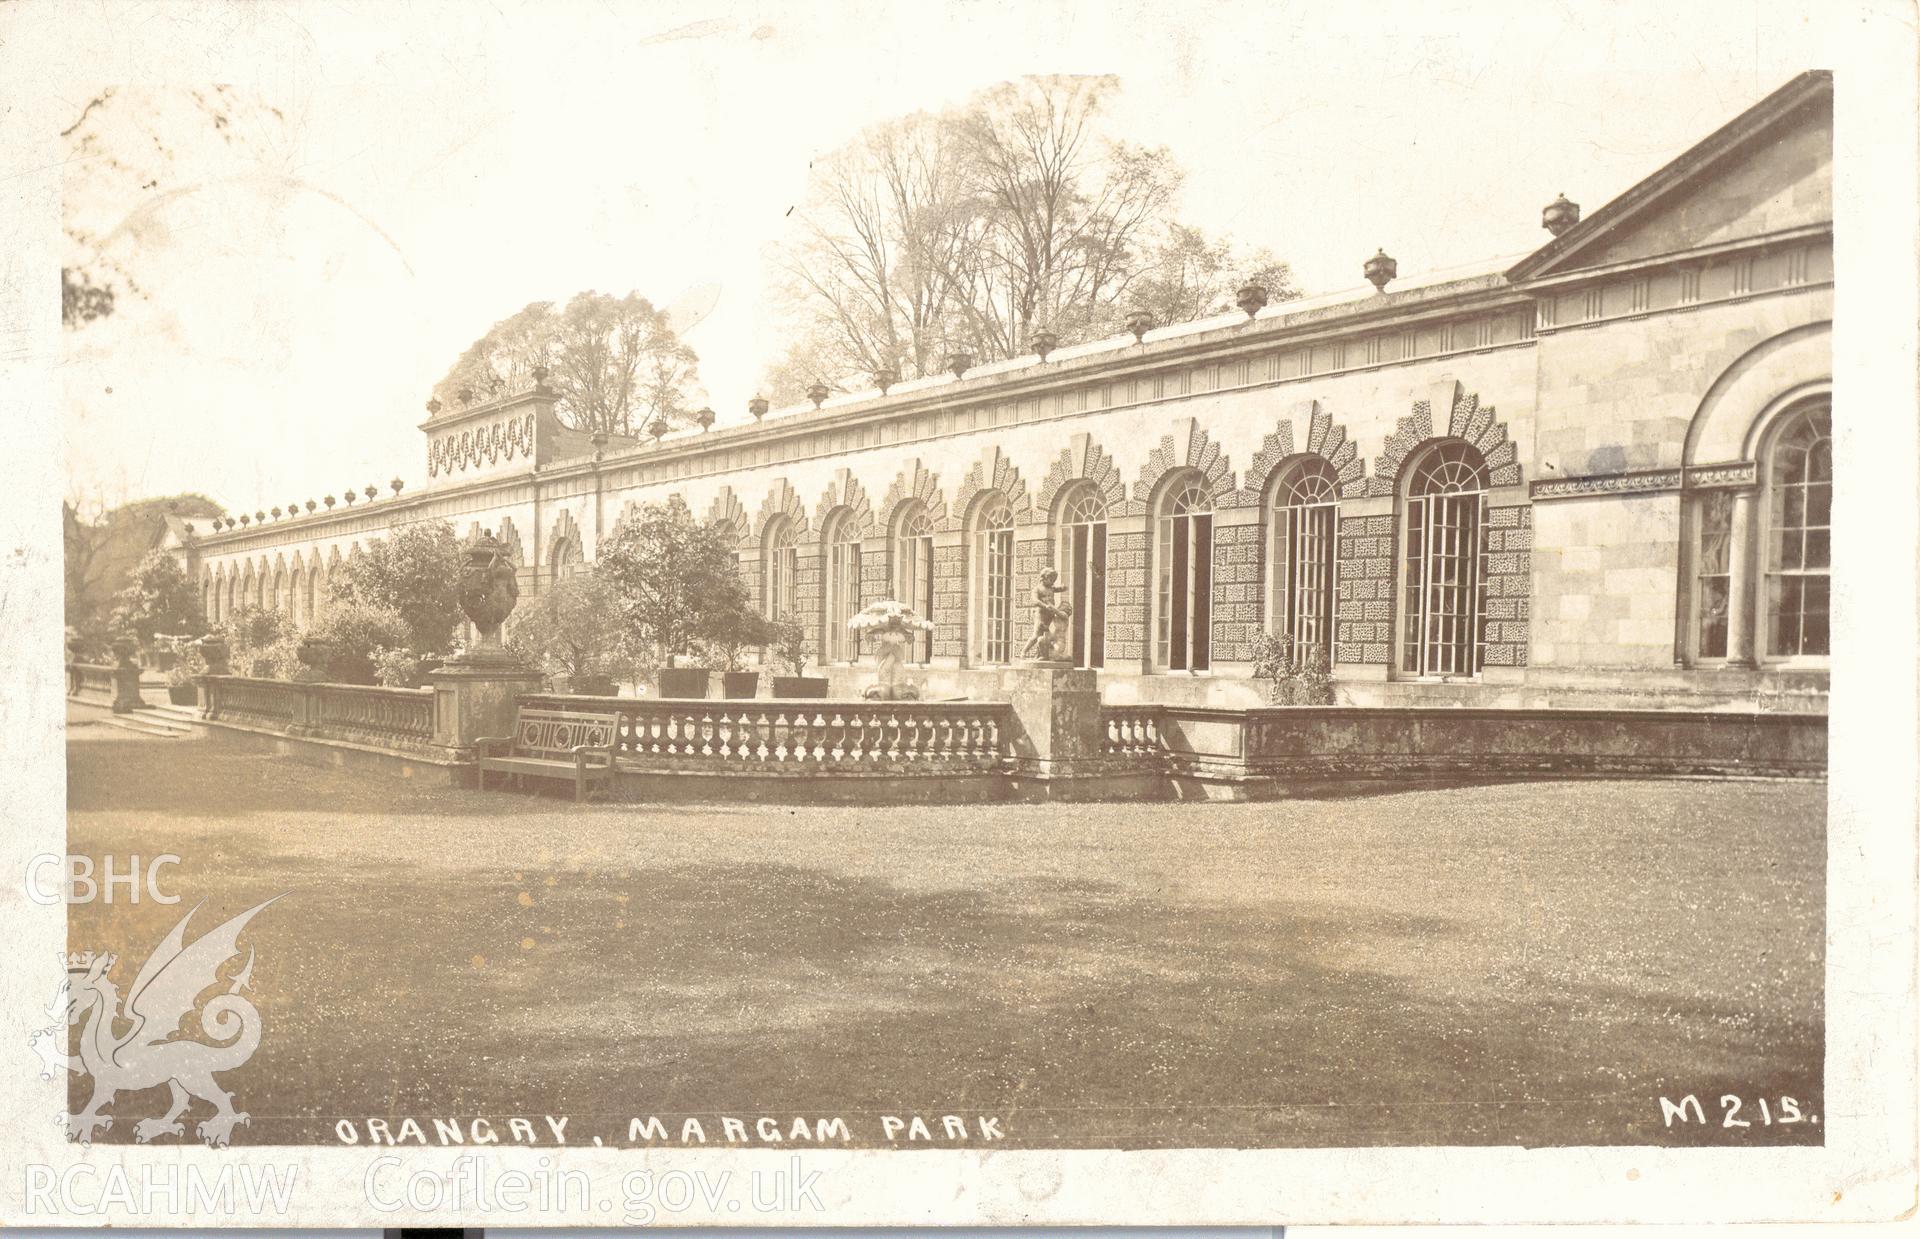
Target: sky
400	177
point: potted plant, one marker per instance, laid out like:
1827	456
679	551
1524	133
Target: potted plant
188	666
730	639
790	649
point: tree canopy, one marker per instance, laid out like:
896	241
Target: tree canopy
414	573
971	230
615	361
676	579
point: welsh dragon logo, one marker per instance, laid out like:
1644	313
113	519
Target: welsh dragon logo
165	991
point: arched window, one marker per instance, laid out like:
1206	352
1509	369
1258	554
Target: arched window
567	558
1302	507
841	597
993	579
297	598
313	592
1183	572
1080	554
913	571
233	596
1445	582
210	600
779	569
1798	524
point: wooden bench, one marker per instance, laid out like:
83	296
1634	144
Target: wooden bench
555	744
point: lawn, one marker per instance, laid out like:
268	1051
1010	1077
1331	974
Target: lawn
1530	963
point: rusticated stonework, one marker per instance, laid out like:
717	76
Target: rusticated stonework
727	510
1236	591
845	492
1466	420
781	501
1325	438
1188	447
1509	585
949	601
1126	598
993	471
1363	601
1083	460
914	484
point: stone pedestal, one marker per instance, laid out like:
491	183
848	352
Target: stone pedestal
126	678
1057	728
474	697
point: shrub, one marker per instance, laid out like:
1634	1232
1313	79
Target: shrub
787	638
413	573
190	663
676	578
260	642
354	632
157	598
572	629
396	668
1292	679
729	635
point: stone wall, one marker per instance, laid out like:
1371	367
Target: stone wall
1236	591
1127	587
1363	606
1509	584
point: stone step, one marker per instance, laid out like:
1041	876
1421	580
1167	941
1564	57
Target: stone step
167	710
146	723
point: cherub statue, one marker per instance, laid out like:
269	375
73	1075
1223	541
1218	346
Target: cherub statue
1049	617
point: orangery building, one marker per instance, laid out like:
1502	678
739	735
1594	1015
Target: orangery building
1598	473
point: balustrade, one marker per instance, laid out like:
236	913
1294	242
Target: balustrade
388	717
852	736
1133	730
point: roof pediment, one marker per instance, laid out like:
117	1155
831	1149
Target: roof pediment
1768	171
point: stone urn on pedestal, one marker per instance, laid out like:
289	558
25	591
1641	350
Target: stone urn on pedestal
313	654
476	693
889	628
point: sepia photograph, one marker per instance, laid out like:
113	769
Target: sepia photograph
839	583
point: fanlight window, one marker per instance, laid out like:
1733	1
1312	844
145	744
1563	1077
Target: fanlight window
913	573
993	580
1081	558
1183	560
780	570
1445	581
1300	546
1799	538
842	594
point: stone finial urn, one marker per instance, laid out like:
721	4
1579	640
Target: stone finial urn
1380	269
884	378
959	363
313	654
1252	298
818	393
758	407
124	648
705	417
1044	341
1139	323
214	650
1559	215
489	589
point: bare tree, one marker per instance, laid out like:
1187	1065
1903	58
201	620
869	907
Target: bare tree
615	361
972	229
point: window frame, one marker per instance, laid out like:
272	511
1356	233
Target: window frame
990	543
1802	413
1422	511
911	556
1193	526
1084	563
1285	504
